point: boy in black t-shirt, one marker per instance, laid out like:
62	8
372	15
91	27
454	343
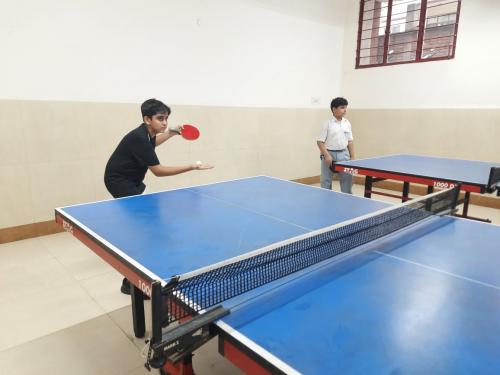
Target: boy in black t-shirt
135	154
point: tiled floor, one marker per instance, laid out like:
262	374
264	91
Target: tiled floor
62	313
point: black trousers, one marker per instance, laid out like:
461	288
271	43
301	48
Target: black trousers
124	188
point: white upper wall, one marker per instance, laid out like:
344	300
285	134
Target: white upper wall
469	80
220	52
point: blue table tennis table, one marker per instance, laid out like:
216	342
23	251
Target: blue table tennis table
424	299
434	172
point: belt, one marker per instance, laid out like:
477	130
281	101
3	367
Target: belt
337	150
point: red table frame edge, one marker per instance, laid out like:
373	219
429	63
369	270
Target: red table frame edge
375	175
243	358
143	284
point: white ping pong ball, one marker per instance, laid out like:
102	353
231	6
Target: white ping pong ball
198	162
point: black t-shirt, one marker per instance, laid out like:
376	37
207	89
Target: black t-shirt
129	163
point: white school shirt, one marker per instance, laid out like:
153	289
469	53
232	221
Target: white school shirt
336	134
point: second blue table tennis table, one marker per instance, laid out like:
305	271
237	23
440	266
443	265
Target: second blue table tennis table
434	172
422	299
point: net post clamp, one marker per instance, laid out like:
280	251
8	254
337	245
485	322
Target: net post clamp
172	283
185	338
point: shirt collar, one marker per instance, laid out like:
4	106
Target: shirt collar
150	139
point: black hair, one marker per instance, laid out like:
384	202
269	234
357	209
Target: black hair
337	102
152	107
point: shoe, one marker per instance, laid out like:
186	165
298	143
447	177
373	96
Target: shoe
125	289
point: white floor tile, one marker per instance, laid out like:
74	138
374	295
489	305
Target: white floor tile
123	319
26	268
24	319
28	278
78	259
96	346
21	252
105	290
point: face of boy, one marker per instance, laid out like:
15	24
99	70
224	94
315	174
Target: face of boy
340	111
157	123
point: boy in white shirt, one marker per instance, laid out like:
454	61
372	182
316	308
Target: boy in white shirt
335	143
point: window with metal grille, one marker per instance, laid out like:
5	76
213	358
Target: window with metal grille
406	31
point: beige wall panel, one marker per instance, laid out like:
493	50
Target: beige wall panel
275	163
455	133
15	196
59	184
14	125
56	132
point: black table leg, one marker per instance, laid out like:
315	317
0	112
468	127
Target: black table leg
466	204
406	191
368	186
138	319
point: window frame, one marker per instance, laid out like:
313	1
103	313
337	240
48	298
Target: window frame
420	38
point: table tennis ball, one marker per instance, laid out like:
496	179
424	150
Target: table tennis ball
198	162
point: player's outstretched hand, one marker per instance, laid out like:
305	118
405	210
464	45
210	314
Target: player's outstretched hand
199	165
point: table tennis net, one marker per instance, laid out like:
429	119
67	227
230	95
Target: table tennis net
211	287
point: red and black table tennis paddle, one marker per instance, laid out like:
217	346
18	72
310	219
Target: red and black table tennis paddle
189	132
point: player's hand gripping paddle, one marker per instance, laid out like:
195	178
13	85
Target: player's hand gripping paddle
332	166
